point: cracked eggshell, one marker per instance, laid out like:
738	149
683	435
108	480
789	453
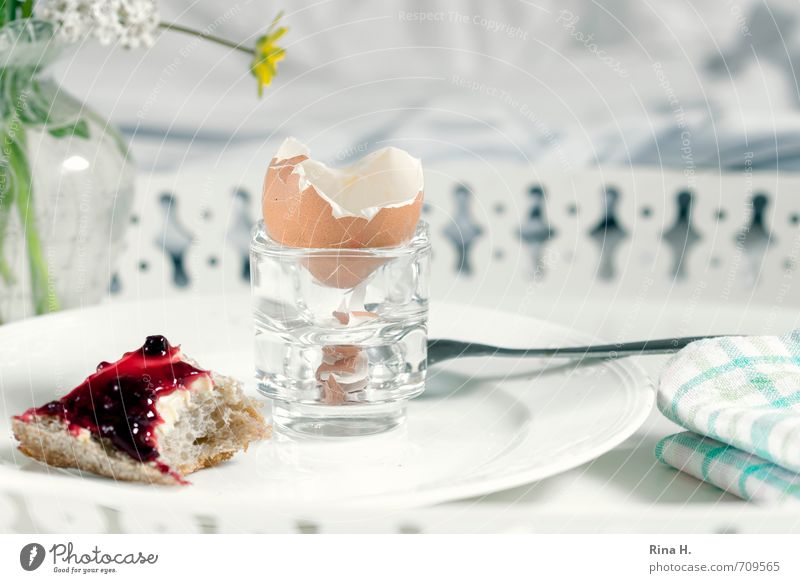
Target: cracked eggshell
375	202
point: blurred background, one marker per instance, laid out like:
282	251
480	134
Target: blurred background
564	84
596	151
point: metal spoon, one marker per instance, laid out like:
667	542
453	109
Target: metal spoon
440	350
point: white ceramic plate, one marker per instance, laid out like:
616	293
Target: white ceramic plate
483	424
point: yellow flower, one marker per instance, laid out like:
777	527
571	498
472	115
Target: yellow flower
267	55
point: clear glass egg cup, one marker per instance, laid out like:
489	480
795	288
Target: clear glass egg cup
340	334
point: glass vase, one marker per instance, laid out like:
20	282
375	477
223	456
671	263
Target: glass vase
66	183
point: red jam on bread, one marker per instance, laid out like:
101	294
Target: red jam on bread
118	402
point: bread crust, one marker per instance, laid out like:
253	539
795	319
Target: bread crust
48	439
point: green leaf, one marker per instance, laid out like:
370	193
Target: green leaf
79	129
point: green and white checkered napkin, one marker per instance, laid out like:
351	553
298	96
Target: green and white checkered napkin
739	397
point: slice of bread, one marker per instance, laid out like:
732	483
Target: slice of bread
201	428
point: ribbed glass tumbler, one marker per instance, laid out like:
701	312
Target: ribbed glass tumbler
340	334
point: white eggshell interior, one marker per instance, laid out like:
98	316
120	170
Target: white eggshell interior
387	178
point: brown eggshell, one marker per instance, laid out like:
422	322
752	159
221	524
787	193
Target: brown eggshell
304	219
341	270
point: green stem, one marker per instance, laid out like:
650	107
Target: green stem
5	212
6	202
205	36
5	271
42	290
11	10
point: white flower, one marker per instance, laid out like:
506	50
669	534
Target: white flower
131	23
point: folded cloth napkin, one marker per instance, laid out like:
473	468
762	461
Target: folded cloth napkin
744	474
744	394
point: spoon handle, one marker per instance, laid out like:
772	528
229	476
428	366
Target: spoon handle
440	350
